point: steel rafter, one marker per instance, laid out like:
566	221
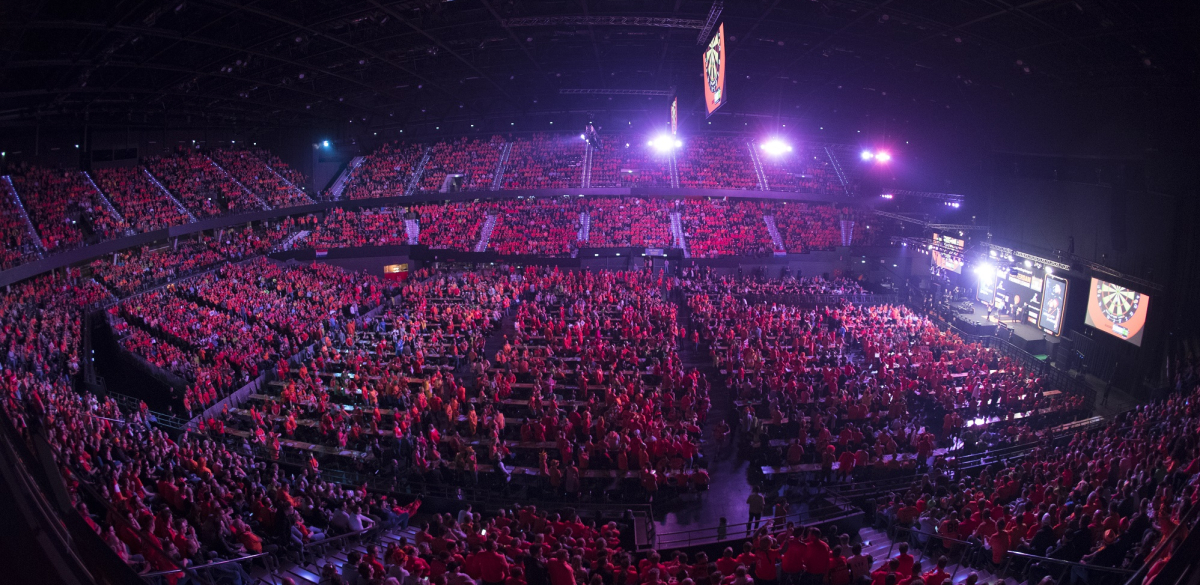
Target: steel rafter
650	21
657	92
714	14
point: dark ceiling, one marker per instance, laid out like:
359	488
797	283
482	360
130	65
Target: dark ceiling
381	62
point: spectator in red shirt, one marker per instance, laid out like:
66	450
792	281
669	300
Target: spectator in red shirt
560	570
493	566
816	558
939	574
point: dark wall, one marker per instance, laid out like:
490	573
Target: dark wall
1125	229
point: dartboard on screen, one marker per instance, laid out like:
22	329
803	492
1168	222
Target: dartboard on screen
1117	310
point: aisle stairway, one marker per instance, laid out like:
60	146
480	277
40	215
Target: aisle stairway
309	572
335	192
20	207
485	234
877	543
178	204
294	187
773	229
412	231
677	232
230	176
414	182
758	168
105	201
585	227
498	175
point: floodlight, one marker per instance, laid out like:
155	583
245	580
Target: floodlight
776	147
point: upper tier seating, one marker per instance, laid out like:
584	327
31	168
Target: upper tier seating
475	159
200	185
385	172
139	200
545	161
256	176
65	207
626	161
716	162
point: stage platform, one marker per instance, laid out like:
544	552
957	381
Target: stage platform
1022	335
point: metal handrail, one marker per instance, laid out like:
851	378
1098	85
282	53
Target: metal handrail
1042	559
1158	551
1036	558
663	540
207	565
330	540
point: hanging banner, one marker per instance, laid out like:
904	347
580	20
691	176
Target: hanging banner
714	72
675	116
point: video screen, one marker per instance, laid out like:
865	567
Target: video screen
1019	294
1117	311
986	293
714	72
1054	300
947	262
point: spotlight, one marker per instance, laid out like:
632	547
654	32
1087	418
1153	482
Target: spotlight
582	137
325	144
986	271
1049	270
882	156
664	143
776	147
887	195
866	155
1028	264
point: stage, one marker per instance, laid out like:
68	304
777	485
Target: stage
1020	334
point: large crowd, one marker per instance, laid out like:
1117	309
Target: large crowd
545	227
255	175
624	161
476	160
199	184
19	245
552	226
569	383
725	228
861	385
616	223
65	207
585	397
142	203
805	170
136	269
68	210
717	162
385	172
545	161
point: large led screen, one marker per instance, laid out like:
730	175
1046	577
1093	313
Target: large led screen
1117	311
1019	294
1054	300
714	72
986	293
